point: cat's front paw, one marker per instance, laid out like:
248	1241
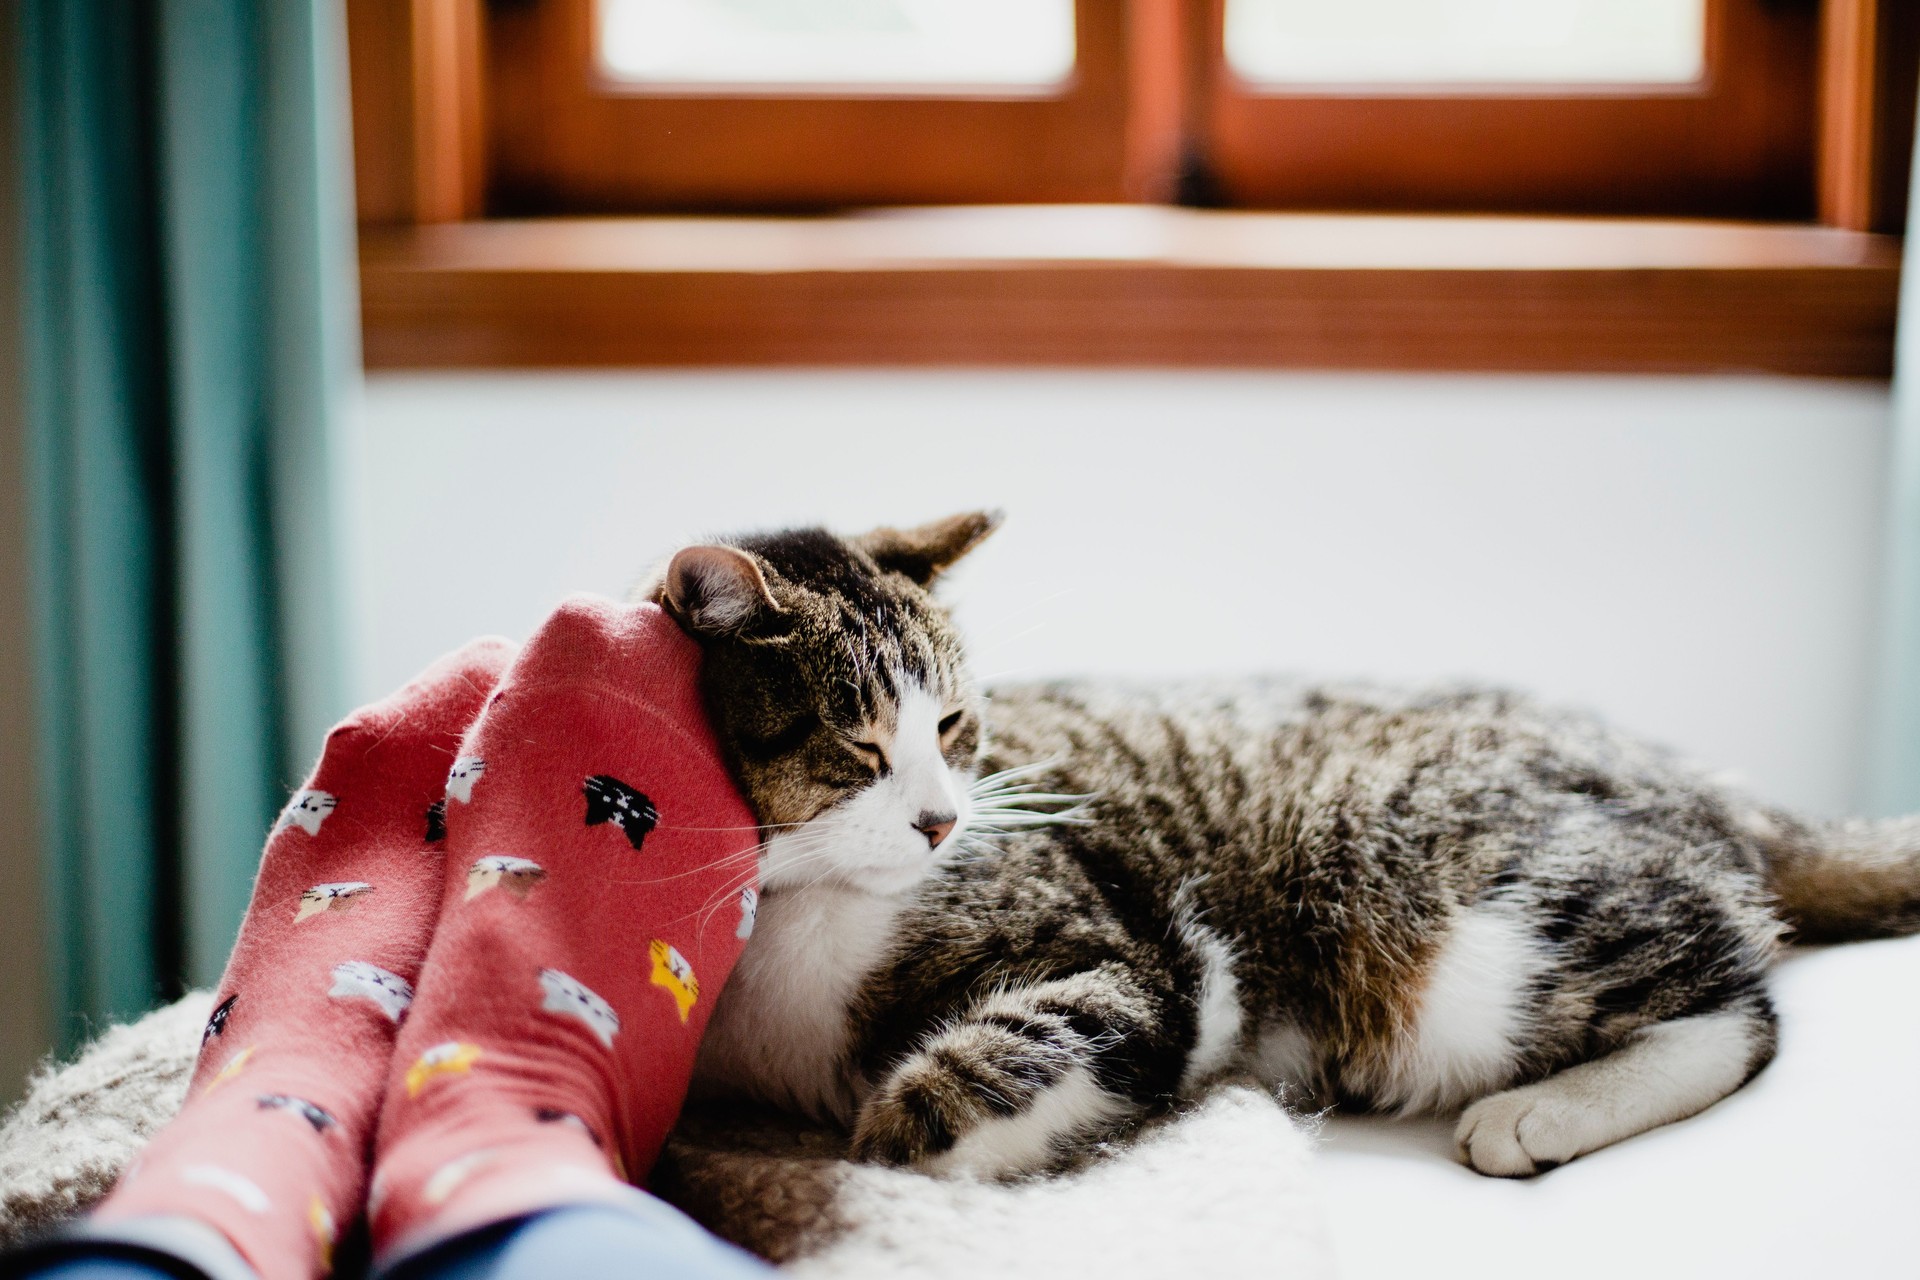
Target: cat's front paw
916	1115
985	1101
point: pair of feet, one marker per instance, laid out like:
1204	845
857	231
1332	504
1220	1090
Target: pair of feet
482	946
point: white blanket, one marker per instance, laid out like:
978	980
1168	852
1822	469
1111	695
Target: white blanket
1225	1185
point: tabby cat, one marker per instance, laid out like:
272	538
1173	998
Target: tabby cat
991	928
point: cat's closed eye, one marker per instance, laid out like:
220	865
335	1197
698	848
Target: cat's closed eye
873	756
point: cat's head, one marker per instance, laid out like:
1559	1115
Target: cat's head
840	694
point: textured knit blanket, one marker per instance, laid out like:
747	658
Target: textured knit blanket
1221	1188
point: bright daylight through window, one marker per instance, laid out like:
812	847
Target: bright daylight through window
1467	42
923	45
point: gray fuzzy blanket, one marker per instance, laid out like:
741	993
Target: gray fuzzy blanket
1221	1187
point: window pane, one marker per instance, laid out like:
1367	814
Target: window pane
1425	42
920	45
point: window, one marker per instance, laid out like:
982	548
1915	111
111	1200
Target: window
939	47
1692	107
636	105
726	181
1461	43
1603	106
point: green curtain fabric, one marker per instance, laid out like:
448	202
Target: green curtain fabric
186	252
1896	782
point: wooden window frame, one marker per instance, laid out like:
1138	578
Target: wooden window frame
565	142
1738	143
446	281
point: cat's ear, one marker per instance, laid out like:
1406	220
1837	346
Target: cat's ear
924	552
714	590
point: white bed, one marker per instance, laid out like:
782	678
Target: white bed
1809	1171
1812	1170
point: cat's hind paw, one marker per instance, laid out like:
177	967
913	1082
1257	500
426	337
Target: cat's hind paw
1521	1132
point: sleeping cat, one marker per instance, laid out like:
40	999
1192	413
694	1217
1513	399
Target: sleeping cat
990	929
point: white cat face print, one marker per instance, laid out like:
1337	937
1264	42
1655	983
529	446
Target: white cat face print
568	997
307	810
358	980
244	1192
466	771
343	896
749	912
448	1177
517	875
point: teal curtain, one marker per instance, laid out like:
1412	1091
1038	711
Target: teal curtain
189	344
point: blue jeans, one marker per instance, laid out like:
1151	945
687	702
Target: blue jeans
587	1241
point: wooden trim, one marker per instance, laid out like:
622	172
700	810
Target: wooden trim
418	129
564	142
1870	60
1133	285
1740	144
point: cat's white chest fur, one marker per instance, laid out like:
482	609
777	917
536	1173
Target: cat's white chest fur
779	1030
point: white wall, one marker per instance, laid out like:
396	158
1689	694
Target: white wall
1696	557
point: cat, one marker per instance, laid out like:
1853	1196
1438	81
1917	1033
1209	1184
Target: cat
992	929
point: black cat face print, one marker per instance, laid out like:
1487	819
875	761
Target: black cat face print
315	1116
217	1021
611	800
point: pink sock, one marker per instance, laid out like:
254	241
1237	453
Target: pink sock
599	888
271	1148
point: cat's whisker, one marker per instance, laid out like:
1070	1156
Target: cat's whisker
1017	771
756	826
740	856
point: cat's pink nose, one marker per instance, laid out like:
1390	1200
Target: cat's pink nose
935	827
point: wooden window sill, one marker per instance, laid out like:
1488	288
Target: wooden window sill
1133	285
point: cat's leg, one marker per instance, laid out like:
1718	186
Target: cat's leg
1665	1071
1025	1073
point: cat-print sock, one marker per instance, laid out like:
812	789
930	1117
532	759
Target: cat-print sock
271	1147
600	884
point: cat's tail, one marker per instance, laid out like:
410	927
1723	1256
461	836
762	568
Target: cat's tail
1843	881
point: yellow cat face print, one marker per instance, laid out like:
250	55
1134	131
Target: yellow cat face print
320	1222
235	1065
448	1059
671	970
